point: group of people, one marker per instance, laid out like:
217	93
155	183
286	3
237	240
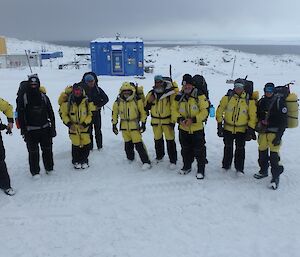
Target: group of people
238	117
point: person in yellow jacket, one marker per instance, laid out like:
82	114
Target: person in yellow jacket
130	110
5	185
236	117
76	114
190	111
159	101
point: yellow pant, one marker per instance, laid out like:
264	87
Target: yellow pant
132	135
159	130
265	141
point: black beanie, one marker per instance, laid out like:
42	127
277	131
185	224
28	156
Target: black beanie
269	85
187	79
34	80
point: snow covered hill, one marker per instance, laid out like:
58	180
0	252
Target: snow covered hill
116	209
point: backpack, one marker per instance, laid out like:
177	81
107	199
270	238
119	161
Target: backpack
201	85
21	92
291	100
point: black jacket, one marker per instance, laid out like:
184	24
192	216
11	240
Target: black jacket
273	110
96	95
34	111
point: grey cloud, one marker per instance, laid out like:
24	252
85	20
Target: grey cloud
156	19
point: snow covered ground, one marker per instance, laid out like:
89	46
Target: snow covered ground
116	209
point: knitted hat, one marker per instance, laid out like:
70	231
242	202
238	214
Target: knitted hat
187	79
269	87
88	78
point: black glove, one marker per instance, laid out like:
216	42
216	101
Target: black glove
277	140
143	127
3	126
250	134
220	130
53	132
115	129
25	135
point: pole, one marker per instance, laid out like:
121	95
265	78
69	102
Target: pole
28	61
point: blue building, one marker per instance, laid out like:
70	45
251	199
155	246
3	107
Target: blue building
117	57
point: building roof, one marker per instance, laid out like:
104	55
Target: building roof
114	40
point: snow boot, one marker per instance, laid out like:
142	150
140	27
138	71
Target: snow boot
274	183
146	166
260	175
9	191
84	165
240	173
199	175
185	171
77	166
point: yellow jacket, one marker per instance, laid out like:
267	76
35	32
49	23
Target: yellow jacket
238	114
190	107
79	117
7	109
160	109
130	111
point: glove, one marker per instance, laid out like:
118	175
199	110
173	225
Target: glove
277	140
220	130
9	128
3	126
115	129
53	132
25	135
250	134
143	127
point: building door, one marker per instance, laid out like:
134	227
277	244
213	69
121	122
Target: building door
117	62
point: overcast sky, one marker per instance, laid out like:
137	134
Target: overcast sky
53	20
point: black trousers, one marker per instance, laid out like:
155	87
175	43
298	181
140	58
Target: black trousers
4	177
239	154
273	159
96	125
140	148
193	147
80	154
43	138
171	148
